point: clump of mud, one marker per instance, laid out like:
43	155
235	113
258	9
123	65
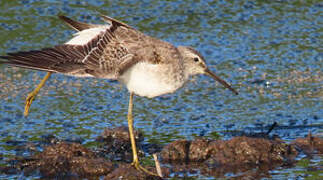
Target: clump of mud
217	157
68	160
116	144
252	157
239	150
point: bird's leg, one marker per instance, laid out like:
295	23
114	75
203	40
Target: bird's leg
31	96
131	133
135	161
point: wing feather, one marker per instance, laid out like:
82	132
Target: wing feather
103	56
79	26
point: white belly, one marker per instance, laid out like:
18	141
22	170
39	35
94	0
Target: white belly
151	80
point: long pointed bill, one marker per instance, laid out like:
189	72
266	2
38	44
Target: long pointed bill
225	84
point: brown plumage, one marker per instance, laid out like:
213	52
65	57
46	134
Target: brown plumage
107	55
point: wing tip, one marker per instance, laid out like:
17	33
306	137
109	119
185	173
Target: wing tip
79	26
113	21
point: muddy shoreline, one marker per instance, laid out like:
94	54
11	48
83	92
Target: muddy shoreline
250	157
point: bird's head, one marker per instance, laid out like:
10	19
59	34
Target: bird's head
195	64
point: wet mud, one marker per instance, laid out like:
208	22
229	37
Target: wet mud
247	157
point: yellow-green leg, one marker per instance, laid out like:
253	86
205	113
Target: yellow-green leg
31	96
132	139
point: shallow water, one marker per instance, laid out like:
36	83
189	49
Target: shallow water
270	51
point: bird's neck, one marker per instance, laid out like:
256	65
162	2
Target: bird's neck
187	71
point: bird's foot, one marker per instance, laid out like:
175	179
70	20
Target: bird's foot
31	96
137	165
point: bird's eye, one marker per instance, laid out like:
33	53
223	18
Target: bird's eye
196	59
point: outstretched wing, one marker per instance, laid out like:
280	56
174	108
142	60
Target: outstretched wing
102	55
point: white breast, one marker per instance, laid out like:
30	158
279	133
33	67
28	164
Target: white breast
151	80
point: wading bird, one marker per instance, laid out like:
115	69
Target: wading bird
147	66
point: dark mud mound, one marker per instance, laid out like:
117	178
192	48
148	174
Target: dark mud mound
67	160
218	157
239	150
73	161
